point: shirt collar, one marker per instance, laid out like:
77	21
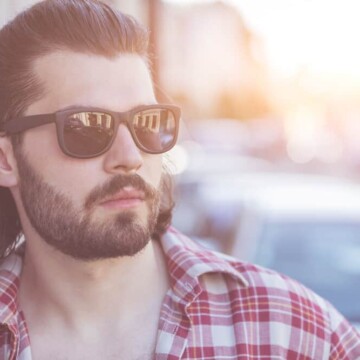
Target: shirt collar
10	271
187	262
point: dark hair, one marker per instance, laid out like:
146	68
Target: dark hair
85	26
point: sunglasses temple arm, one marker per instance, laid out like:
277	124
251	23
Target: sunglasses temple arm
20	124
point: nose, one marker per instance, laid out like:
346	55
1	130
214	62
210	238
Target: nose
123	156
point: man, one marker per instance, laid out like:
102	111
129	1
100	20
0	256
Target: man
100	274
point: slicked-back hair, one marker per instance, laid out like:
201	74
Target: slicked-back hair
84	26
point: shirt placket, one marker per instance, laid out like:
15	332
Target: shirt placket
175	324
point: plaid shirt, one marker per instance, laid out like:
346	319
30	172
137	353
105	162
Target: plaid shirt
217	308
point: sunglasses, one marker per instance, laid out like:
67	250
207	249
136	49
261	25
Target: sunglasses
89	132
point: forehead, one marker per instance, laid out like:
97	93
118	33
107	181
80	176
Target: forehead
70	78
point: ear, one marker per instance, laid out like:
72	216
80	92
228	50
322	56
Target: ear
8	167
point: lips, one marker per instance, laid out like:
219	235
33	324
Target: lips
125	198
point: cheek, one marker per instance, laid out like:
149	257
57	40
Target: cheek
43	152
72	177
41	142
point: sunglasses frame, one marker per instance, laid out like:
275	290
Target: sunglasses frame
21	124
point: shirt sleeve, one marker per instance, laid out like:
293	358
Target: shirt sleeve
345	339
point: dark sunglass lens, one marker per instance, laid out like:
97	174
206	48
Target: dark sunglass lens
88	133
155	129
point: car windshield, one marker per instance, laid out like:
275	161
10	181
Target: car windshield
323	256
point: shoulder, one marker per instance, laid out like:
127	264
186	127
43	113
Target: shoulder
243	281
292	312
265	304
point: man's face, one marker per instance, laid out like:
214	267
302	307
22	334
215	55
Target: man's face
90	208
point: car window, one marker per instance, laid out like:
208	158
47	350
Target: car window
323	256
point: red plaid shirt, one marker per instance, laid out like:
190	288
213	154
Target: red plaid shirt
217	308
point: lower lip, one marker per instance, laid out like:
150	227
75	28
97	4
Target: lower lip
122	203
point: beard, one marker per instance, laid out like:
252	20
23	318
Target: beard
76	233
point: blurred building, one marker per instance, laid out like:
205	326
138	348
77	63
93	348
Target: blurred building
137	8
210	61
9	8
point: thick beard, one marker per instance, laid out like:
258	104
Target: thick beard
73	232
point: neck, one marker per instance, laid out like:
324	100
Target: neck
54	285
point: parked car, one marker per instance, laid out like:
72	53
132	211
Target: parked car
305	226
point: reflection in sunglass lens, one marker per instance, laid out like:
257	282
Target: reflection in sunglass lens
155	129
87	133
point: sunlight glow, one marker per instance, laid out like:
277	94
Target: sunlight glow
318	35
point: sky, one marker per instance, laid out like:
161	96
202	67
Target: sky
319	35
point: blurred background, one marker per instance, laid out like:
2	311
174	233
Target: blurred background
267	168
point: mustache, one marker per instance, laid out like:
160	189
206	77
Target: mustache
117	183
